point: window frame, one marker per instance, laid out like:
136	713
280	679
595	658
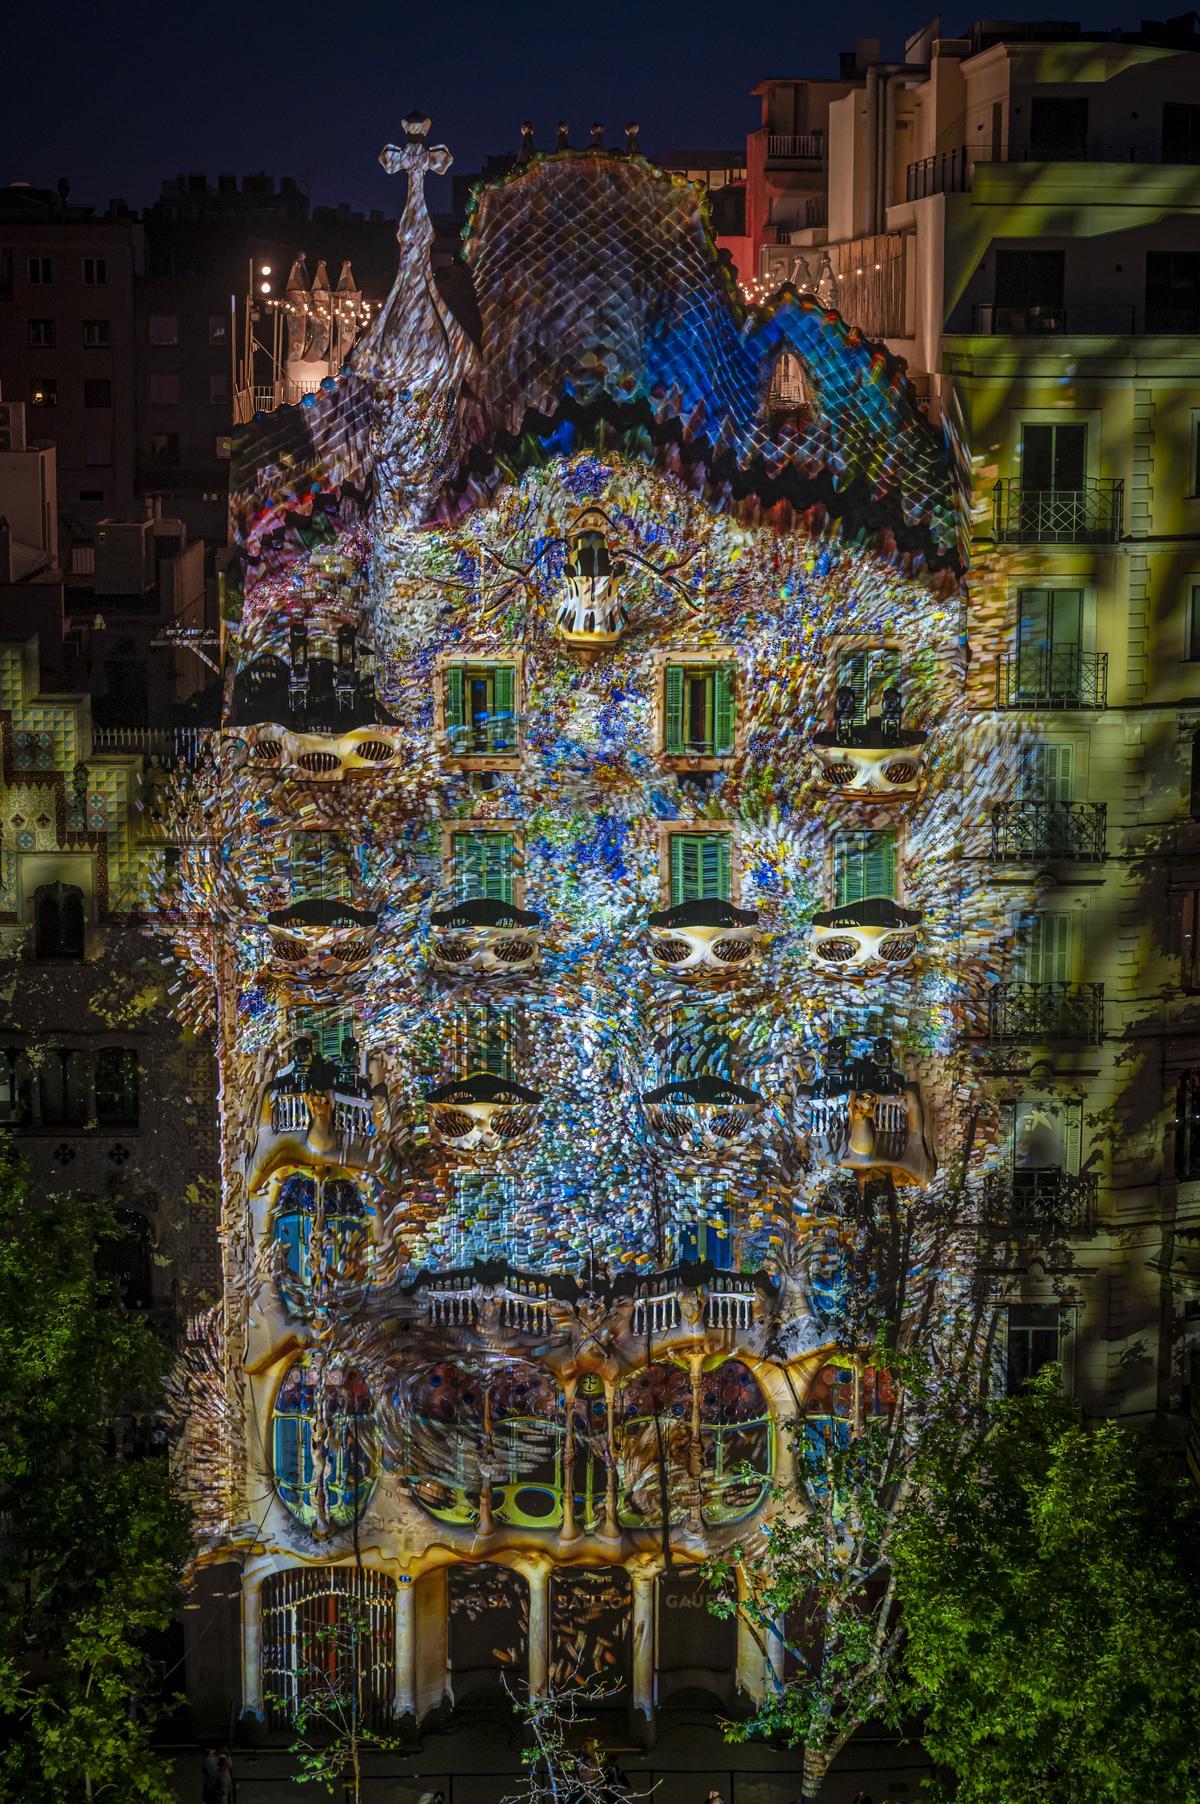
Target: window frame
1065	1336
669	830
98	267
699	658
101	334
860	646
471	760
844	832
41	334
45	271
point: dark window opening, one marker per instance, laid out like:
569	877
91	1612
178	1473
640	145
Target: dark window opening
1180	132
59	921
118	1085
1054	456
1058	128
1029	289
97	392
1187	1125
1173	291
1034	1337
127	1260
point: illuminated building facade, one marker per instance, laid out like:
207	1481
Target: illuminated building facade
578	889
1016	212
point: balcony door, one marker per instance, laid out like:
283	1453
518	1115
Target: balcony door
1053	457
1050	642
1058	128
1048	773
1049	948
1029	291
1043	1135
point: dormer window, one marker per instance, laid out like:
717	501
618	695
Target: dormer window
699	710
479	702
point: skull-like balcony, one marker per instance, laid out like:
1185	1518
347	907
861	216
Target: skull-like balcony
865	936
322	718
704	939
321	757
483	1113
485	937
592	614
319	937
706	1117
865	1117
316	1108
876	757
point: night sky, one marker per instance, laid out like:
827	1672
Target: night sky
116	97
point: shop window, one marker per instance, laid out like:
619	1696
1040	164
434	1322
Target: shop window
701	867
59	921
1033	1340
118	1086
480	709
329	1633
698	710
323	1436
483	866
864	864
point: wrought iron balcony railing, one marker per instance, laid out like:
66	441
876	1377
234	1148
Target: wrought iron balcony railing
1046	1011
1053	676
949	172
1040	1197
1029	829
1089	515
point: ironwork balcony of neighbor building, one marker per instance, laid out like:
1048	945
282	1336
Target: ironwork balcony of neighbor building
1046	1011
1053	677
1026	830
1038	1198
949	172
796	148
1089	515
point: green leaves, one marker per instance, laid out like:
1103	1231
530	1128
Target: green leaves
95	1543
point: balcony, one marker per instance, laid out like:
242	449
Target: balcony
796	150
483	1113
1090	515
1053	677
1032	1199
325	1106
1023	831
947	173
865	1117
992	321
1024	1012
483	937
869	935
876	757
703	1116
320	757
704	939
319	938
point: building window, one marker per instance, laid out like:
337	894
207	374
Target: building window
701	867
42	334
864	864
329	1632
1180	132
1029	290
164	449
59	923
62	1087
483	866
320	868
127	1260
43	392
218	390
163	329
1187	1125
705	1225
485	1038
698	710
1034	1340
328	1030
97	454
16	1084
1048	772
41	271
97	391
118	1087
95	272
323	1441
1053	457
869	673
164	389
1050	628
1058	128
1192	652
1173	291
1048	948
6	275
218	329
1189	939
97	334
480	709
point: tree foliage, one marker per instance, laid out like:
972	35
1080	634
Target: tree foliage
93	1541
329	1712
1048	1577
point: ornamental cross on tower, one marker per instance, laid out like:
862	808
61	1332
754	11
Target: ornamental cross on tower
415	157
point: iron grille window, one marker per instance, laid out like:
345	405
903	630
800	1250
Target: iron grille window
1034	1340
481	709
328	1630
1187	1124
698	710
701	868
483	867
864	864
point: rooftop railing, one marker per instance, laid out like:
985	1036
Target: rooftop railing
795	147
949	172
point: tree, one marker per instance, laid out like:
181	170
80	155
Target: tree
1048	1577
555	1770
329	1711
94	1542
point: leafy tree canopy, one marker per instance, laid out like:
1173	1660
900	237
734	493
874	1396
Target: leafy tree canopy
1048	1577
93	1540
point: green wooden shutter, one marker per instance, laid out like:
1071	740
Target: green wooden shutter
847	875
673	711
679	869
454	701
723	714
503	730
1049	948
466	856
879	865
718	868
320	868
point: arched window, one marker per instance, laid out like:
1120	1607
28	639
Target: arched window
443	1423
127	1260
735	1443
324	1442
59	921
322	1246
655	1442
118	1086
